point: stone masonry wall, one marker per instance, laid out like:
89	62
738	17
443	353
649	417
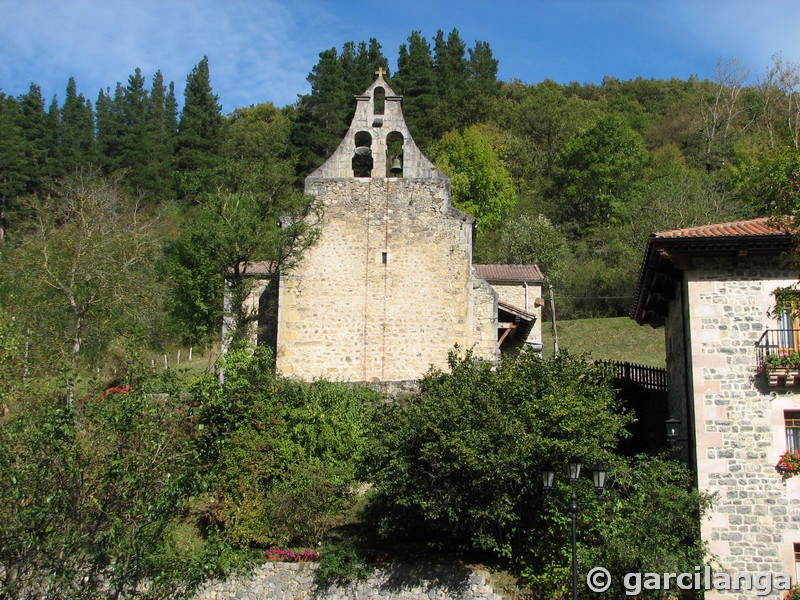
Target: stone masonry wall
295	581
739	423
484	318
386	292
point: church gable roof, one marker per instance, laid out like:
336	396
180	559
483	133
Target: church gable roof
378	143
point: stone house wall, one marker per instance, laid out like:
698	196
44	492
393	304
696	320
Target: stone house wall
738	422
515	294
524	298
484	319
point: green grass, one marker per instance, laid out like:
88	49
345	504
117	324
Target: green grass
618	339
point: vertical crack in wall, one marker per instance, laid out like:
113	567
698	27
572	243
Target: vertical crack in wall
385	280
364	353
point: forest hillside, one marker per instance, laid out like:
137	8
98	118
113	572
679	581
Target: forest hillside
571	177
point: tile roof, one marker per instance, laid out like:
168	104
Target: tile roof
752	227
669	252
509	272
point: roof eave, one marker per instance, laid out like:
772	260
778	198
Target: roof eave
657	268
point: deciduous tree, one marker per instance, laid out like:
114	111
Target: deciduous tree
481	184
256	214
598	170
87	267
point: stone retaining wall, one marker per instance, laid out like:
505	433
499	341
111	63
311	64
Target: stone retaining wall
295	581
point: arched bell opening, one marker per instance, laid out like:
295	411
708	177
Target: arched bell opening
394	154
362	156
378	100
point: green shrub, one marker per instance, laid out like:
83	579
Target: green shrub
459	468
283	454
460	463
648	521
341	562
89	490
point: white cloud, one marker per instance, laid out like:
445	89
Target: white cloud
255	49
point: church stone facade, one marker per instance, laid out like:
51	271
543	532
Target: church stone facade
388	289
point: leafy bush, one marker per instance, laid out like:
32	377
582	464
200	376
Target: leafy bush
341	562
459	467
460	463
88	492
648	521
283	454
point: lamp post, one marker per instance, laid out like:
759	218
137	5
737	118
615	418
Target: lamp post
599	473
672	425
672	429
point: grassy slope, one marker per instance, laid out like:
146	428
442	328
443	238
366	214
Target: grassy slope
612	339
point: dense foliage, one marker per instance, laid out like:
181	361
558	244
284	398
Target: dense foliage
458	467
459	461
90	492
282	454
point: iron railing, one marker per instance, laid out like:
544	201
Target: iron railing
777	342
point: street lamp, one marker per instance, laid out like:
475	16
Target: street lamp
599	474
672	432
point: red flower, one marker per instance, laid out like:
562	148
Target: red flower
789	466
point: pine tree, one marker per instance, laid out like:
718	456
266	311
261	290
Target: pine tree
322	114
452	80
110	128
483	84
161	131
368	59
199	133
53	140
76	130
36	131
417	81
13	170
135	146
350	66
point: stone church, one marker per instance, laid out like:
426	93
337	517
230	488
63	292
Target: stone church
389	288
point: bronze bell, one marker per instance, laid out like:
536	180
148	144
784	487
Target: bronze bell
396	166
363	150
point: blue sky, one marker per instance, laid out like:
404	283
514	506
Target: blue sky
263	50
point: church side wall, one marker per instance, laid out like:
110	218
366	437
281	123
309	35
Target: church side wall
739	422
484	319
385	292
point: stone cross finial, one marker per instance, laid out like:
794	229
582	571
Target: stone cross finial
380	72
